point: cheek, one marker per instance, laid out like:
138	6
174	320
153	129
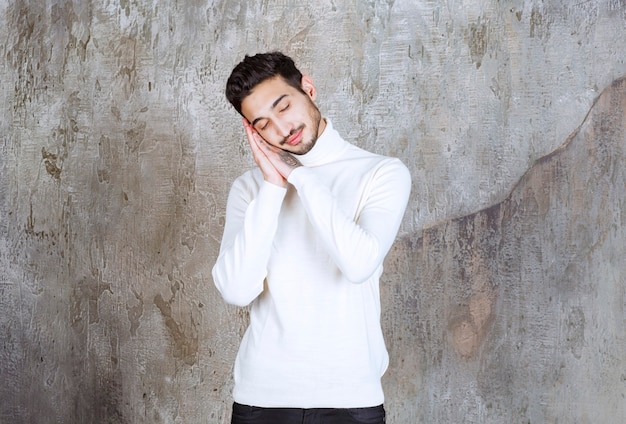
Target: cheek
270	137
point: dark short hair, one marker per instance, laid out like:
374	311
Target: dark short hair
253	70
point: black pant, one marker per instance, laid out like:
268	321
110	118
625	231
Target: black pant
244	414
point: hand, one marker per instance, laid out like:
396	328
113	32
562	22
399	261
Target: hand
283	161
278	160
270	173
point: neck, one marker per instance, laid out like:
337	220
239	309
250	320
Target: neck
321	127
328	146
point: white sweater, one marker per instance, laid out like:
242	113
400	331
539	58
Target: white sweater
309	258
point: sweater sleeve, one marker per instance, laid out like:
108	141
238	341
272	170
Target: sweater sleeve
251	223
358	244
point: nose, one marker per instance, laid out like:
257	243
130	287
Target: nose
283	128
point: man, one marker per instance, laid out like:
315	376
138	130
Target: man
304	241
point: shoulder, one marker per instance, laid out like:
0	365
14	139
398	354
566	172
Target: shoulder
392	170
251	185
376	161
250	178
247	184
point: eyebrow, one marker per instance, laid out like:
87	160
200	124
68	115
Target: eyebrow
273	106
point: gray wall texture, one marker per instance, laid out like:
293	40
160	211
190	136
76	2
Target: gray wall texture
504	295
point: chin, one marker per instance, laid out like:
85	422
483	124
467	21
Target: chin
305	148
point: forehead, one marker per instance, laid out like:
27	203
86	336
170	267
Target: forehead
262	97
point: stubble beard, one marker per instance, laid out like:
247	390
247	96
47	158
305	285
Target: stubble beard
315	119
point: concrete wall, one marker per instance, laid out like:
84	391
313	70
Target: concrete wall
504	296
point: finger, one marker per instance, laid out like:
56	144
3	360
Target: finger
256	145
259	143
253	142
251	131
247	128
257	153
264	146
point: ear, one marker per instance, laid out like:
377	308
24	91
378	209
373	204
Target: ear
308	87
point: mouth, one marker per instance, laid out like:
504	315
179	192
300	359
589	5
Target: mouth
295	137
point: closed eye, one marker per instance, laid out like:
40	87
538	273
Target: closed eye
262	125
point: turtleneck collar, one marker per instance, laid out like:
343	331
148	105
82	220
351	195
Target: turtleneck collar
329	145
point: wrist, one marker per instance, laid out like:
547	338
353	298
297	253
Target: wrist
280	182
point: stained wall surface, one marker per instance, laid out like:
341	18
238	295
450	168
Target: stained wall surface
503	296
